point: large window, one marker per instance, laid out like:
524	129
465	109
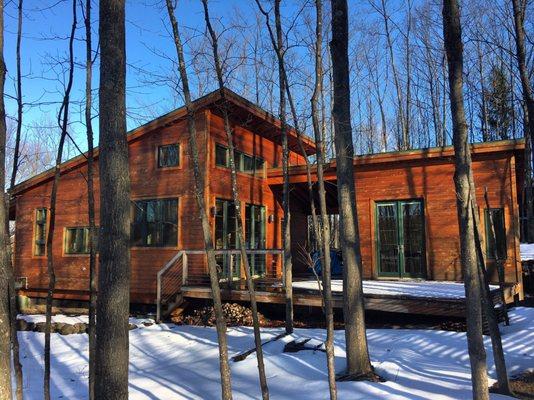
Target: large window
168	155
41	215
495	243
243	162
255	237
77	240
155	223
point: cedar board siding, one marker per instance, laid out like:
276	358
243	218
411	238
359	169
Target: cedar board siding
432	181
147	182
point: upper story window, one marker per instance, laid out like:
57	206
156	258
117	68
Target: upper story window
41	216
155	223
169	155
495	244
77	240
243	162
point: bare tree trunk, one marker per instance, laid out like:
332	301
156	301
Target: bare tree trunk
237	205
465	199
113	305
90	200
286	223
19	98
358	363
519	7
226	386
12	292
319	144
5	262
404	128
63	120
489	310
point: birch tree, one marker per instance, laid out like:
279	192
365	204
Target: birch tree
237	204
63	123
226	387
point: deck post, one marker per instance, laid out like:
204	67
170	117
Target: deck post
158	298
230	269
184	269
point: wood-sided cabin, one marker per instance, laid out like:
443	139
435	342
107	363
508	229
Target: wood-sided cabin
406	208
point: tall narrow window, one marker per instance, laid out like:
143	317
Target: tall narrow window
40	231
169	155
495	244
221	156
155	223
77	240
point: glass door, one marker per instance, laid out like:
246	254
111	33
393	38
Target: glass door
255	237
400	239
226	238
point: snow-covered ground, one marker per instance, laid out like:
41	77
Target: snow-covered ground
84	319
180	362
527	251
440	289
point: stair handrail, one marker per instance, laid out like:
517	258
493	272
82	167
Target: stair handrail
162	271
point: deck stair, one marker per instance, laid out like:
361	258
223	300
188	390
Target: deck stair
169	284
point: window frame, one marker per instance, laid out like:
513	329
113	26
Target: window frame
158	153
159	245
37	223
504	250
86	229
239	161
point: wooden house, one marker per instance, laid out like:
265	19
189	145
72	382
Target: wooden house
406	209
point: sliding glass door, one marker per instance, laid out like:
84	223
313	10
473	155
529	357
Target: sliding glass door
400	239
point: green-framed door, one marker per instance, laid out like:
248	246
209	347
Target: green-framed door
255	237
226	237
400	238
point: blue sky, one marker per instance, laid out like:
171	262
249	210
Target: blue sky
45	34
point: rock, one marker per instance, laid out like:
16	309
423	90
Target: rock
132	327
67	329
22	325
79	327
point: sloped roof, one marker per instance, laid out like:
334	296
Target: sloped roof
242	112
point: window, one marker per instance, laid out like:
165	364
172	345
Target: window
155	223
495	244
40	231
243	162
255	237
169	155
221	155
77	240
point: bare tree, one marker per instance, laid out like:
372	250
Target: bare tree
325	223
519	9
90	198
358	362
63	121
237	204
112	313
465	195
5	264
19	97
226	387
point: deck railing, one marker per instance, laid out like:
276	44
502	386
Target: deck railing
189	267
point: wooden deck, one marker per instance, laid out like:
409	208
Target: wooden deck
271	291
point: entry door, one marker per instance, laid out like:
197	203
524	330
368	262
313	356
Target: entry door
255	237
400	239
226	237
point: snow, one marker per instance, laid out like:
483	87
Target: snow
527	251
181	362
60	318
429	289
